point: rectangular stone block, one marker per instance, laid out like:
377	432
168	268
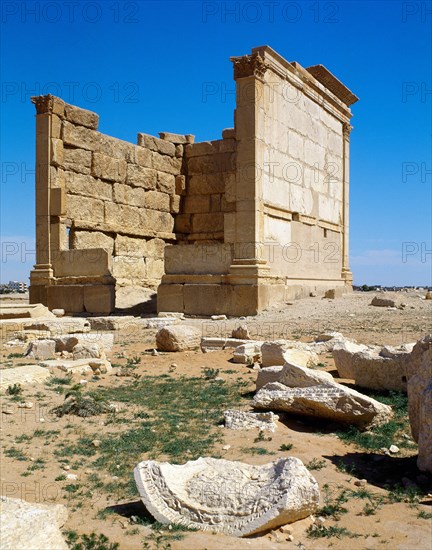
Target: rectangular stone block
130	246
56	152
82	117
99	298
200	184
208	223
193	204
175	204
92	239
180	185
139	176
79	136
125	194
129	268
170	298
207	258
77	160
155	144
108	168
175	138
164	163
81	184
67	297
83	208
166	182
183	223
57	202
90	262
157	201
200	149
155	268
128	217
155	221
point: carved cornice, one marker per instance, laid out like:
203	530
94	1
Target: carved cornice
249	65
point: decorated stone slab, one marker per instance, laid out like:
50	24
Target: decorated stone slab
227	497
243	420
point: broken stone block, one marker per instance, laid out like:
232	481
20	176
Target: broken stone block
25	525
319	396
241	332
41	349
242	420
65	343
280	352
19	311
178	338
419	373
268	374
58	312
334	292
248	354
87	350
24	375
217	344
373	367
383	302
221	496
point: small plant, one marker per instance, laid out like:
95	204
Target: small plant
256	451
14	389
15	355
209	373
133	361
320	531
286	447
61	477
424	515
261	437
333	506
89	542
81	404
13	452
315	464
371	507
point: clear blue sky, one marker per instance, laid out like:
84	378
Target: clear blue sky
143	65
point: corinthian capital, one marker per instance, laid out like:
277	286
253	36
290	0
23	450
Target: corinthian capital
249	65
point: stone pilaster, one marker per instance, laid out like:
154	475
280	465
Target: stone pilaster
247	265
346	272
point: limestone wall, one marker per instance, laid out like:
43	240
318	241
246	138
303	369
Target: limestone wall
111	203
302	182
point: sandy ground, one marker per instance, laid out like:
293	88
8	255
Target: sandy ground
391	526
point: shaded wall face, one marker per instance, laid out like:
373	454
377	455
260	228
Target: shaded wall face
302	183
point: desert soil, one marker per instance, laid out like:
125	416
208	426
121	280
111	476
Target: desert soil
32	474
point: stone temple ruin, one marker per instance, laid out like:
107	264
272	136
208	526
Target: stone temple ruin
226	226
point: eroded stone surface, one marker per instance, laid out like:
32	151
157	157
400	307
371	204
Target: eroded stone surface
308	392
374	367
32	526
419	372
247	353
243	420
41	349
178	338
26	374
227	497
280	352
268	374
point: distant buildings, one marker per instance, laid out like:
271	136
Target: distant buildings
14	286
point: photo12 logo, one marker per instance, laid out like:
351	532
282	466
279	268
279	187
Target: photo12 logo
70	12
